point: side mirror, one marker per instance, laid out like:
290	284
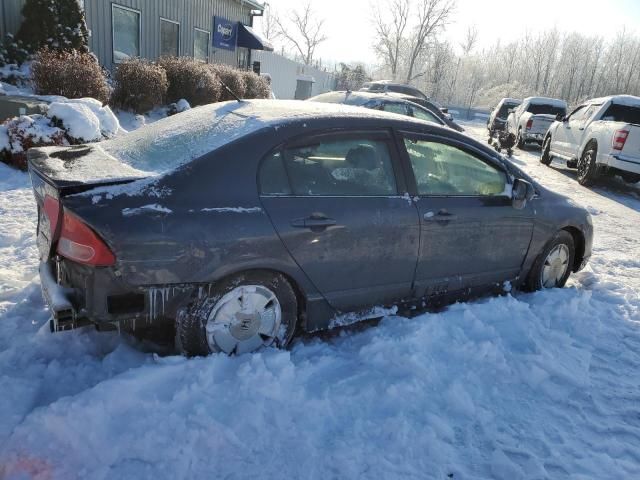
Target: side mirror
511	110
444	110
561	118
521	193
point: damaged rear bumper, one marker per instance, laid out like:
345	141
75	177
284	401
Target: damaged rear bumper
64	315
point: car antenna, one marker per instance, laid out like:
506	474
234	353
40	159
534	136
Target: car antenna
226	87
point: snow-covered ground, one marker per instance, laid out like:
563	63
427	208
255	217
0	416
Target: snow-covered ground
543	385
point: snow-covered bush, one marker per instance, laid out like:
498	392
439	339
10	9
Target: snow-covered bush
256	86
68	122
12	51
55	24
70	74
232	78
140	85
190	80
19	134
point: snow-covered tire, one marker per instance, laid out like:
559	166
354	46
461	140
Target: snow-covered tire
545	156
587	166
191	324
535	279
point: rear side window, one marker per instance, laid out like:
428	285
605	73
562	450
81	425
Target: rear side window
399	108
273	177
425	115
354	166
445	170
622	113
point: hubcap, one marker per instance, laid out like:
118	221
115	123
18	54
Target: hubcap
245	319
555	266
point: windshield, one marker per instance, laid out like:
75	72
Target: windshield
546	109
622	113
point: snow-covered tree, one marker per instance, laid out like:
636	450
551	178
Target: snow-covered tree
57	24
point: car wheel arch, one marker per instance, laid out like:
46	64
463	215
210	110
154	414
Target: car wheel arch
578	245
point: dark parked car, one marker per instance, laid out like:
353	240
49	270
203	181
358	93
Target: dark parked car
243	221
394	103
441	112
384	86
498	118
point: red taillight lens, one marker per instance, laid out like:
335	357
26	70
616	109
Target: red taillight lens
79	243
619	139
529	124
52	210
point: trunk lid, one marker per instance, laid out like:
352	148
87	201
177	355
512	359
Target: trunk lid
56	172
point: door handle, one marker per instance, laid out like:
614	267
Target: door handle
313	222
443	216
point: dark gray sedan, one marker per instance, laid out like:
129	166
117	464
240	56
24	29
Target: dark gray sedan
240	222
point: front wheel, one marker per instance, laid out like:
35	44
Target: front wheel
241	314
545	157
553	266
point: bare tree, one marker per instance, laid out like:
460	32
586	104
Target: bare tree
269	24
303	30
391	32
433	16
470	40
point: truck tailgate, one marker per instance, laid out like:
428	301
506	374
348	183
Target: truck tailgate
632	145
541	123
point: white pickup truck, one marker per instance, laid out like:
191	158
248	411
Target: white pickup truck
601	136
530	121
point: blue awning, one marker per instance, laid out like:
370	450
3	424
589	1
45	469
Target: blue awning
248	38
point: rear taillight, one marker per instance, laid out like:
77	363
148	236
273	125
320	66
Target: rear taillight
529	124
619	139
52	210
77	241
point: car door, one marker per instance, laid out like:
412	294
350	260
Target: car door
566	135
471	235
334	201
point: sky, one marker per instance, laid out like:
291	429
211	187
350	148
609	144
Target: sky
351	33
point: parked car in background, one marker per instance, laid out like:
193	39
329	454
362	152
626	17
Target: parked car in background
387	86
433	107
498	117
600	136
382	101
530	121
382	86
243	221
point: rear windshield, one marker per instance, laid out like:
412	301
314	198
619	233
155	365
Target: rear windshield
543	109
174	141
504	110
622	113
376	87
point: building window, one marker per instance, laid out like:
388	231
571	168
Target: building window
126	33
169	38
201	45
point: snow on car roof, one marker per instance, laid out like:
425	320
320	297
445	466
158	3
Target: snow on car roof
510	100
546	101
176	140
628	100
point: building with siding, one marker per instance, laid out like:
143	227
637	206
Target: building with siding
151	28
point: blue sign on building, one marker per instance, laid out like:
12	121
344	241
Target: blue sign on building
225	33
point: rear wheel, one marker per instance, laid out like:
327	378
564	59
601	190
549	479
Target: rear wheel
587	166
545	157
519	139
553	266
241	314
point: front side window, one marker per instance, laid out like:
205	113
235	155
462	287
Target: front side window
201	45
354	166
445	170
169	38
425	115
578	113
126	33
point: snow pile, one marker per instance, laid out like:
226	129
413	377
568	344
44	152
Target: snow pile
85	119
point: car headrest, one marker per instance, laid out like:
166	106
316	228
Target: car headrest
363	156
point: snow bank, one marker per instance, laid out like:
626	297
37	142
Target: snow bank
85	119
